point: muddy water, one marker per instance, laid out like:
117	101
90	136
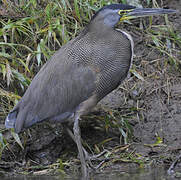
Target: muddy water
158	173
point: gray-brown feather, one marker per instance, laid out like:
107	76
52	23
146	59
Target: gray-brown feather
88	66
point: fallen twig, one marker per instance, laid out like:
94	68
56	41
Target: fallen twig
171	168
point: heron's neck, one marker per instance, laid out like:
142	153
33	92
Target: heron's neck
99	28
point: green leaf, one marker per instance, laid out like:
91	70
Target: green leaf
6	55
77	9
17	139
2	141
22	78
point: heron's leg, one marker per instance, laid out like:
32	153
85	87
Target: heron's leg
86	154
76	130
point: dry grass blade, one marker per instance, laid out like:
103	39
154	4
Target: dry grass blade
8	73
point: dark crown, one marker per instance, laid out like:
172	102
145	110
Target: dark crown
114	7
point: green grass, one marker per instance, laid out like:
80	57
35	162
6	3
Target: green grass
30	33
167	41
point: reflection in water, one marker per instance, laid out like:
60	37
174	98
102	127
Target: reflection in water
139	174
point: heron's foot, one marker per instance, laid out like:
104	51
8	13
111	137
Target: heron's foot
97	157
94	157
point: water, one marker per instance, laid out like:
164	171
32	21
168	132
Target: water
158	173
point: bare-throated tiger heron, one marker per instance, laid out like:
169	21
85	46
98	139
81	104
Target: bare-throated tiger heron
81	73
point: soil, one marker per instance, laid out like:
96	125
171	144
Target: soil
157	100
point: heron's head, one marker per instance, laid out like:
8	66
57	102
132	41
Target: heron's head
112	14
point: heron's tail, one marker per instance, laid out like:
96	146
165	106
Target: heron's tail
11	119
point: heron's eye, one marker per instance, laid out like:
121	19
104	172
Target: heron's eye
124	12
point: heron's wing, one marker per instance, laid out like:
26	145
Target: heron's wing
57	89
